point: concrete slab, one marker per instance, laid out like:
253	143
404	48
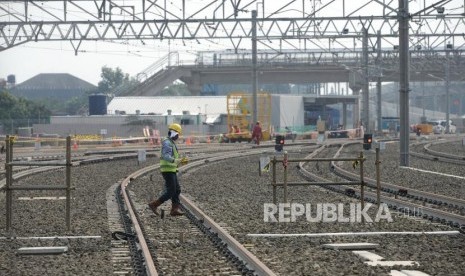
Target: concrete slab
374	260
350	246
408	273
391	263
43	250
43	198
351	234
368	256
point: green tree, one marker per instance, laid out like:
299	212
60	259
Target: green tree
77	105
20	112
112	79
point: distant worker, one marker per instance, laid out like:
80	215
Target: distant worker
257	133
169	163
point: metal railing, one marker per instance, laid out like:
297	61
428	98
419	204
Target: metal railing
285	184
159	65
9	188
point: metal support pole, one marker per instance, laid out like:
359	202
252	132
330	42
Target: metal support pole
447	91
68	183
362	181
285	176
344	115
378	86
423	99
404	81
378	104
378	178
274	180
254	66
8	172
365	88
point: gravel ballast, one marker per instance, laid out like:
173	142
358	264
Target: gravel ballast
233	194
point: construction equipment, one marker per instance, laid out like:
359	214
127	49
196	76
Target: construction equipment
240	108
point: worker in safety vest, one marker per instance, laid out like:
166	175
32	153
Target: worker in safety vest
170	160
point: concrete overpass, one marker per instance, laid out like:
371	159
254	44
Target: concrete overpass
293	67
299	68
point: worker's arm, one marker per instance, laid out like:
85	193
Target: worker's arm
167	152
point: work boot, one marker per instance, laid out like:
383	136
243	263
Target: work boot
154	205
176	210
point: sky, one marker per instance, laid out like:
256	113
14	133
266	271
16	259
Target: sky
28	60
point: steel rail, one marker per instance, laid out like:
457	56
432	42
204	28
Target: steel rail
236	247
442	154
241	252
419	210
251	261
45	166
413	192
149	263
386	185
433	155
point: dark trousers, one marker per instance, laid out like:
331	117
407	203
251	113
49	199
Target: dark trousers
172	188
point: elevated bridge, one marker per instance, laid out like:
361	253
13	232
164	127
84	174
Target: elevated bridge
297	67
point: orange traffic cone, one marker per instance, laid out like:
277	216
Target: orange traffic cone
208	139
75	145
188	141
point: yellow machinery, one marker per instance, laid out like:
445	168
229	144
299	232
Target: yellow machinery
425	128
240	108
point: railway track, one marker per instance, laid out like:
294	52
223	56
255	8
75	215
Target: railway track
138	255
226	260
400	201
401	191
429	154
232	251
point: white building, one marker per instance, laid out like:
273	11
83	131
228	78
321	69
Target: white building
199	115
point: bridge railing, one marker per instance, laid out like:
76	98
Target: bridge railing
170	59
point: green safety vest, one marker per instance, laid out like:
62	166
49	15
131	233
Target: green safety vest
167	166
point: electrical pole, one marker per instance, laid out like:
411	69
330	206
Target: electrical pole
378	85
423	98
365	88
254	66
447	91
404	82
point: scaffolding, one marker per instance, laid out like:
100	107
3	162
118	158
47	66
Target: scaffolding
239	108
